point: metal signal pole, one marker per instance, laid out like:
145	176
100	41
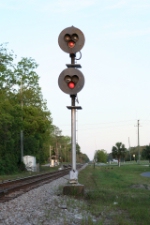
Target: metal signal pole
73	107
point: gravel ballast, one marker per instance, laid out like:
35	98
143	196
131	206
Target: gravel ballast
45	205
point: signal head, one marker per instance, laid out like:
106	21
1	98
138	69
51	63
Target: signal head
71	40
72	83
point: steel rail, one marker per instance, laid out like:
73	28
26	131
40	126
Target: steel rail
12	189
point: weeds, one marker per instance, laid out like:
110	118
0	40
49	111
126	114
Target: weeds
117	196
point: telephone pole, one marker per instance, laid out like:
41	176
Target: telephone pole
129	148
138	142
21	132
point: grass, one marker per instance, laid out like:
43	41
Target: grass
43	169
117	195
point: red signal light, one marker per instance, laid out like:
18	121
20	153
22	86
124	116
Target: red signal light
71	44
71	85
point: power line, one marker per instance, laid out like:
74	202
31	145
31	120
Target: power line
123	121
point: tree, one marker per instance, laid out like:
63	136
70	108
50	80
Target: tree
100	156
118	151
65	142
83	158
23	110
36	118
22	107
146	153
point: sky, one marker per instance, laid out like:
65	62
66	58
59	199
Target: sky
115	63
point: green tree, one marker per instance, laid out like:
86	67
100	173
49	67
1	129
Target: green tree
22	107
118	151
9	113
100	156
65	142
146	153
56	142
36	119
6	68
84	158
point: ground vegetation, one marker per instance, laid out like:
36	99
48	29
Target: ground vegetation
117	195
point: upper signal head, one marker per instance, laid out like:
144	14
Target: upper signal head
71	40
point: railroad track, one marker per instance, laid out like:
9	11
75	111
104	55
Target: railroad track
12	189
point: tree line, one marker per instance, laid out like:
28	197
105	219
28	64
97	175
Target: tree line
120	152
22	108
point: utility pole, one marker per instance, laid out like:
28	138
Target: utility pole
129	148
21	132
50	154
138	142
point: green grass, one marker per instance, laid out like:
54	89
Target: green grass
117	195
43	169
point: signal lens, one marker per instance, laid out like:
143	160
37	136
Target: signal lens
75	79
67	79
67	37
71	85
71	44
75	37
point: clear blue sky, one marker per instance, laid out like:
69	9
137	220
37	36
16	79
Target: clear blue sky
115	63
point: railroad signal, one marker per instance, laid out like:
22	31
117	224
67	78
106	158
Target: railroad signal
71	81
71	40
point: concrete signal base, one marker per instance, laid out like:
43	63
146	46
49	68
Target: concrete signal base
74	189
